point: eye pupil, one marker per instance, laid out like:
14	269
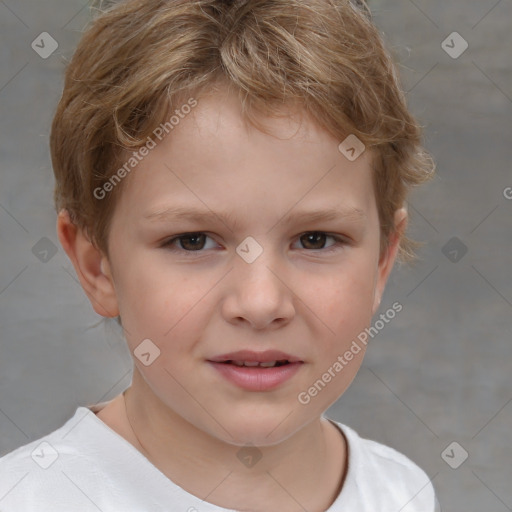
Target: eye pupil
195	244
315	238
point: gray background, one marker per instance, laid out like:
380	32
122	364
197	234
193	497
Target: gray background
439	372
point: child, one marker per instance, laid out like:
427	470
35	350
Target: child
230	182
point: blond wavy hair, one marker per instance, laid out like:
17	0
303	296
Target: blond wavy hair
139	59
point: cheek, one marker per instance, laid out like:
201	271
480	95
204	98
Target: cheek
346	302
167	307
346	308
150	300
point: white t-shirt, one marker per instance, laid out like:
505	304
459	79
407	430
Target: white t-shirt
86	466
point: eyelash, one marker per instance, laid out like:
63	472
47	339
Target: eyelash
339	242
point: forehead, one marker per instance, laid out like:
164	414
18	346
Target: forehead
213	158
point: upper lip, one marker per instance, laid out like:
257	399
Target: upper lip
266	356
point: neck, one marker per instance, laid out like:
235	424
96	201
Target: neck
305	471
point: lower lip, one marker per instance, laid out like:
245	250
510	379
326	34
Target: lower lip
257	378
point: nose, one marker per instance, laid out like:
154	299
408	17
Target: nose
259	293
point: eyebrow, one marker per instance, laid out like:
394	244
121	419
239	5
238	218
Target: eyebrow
228	218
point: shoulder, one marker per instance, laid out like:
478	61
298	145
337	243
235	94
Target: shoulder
378	474
381	456
85	465
43	452
34	477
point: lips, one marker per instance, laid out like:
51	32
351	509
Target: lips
256	371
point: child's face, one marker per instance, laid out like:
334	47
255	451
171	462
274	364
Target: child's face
306	296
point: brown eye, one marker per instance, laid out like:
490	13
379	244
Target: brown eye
187	242
192	242
314	240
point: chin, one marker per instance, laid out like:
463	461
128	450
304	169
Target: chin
257	429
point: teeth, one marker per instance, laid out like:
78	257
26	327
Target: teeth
251	363
269	364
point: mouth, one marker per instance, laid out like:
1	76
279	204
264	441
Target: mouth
256	364
250	358
257	371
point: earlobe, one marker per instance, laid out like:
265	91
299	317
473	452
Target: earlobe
387	259
90	265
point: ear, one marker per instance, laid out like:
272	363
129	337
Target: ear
92	267
388	257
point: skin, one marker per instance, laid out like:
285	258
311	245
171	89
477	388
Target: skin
179	412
